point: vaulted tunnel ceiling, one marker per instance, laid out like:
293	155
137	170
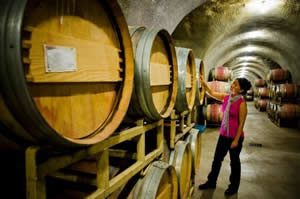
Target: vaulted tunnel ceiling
250	36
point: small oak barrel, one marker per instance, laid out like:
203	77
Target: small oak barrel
66	70
259	82
155	76
220	87
288	112
200	92
194	139
186	92
277	75
181	159
263	92
287	91
160	182
213	113
222	73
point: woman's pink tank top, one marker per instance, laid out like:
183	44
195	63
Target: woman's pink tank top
233	118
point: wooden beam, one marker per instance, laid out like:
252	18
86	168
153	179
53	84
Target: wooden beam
123	177
35	186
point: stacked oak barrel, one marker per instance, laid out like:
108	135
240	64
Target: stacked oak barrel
111	73
261	94
283	108
219	82
250	95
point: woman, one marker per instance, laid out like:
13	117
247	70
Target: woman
231	137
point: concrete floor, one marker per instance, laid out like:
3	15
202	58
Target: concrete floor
268	172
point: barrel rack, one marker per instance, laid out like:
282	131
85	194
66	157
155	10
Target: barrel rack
180	125
186	122
36	172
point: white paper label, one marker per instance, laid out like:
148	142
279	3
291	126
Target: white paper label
60	59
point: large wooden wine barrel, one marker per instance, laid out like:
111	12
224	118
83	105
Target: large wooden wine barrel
160	182
186	92
259	82
218	86
213	113
195	141
222	73
288	112
277	75
66	70
181	159
263	92
155	81
200	92
287	91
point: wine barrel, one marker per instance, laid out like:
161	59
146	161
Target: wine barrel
74	70
186	92
263	92
287	91
262	103
277	75
194	139
250	92
218	86
155	76
259	83
288	112
160	182
272	90
200	92
222	73
181	159
249	97
213	113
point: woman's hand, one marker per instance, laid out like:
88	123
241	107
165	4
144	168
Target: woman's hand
234	144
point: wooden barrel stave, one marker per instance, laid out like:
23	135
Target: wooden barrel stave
155	74
287	91
213	113
181	159
259	82
218	86
222	73
36	101
200	92
288	112
195	141
160	182
263	92
186	92
277	75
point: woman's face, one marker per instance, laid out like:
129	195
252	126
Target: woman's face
235	88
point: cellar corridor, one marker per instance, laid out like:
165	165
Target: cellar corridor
269	172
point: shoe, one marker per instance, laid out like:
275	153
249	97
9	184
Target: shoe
207	185
230	191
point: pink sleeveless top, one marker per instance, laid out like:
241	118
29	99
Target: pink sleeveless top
233	118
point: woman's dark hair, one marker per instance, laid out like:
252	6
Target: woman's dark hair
245	85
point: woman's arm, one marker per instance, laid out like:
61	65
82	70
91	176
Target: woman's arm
210	92
242	119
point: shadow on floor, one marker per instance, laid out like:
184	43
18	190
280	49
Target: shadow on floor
208	194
